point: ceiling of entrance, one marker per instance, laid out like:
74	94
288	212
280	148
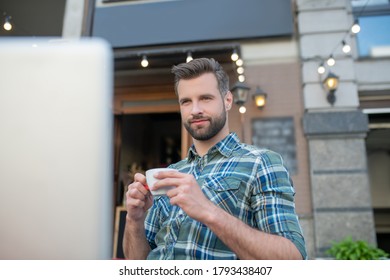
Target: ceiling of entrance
128	69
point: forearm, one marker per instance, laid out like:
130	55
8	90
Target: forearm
247	242
135	245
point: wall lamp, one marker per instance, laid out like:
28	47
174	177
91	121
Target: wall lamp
259	97
330	84
240	92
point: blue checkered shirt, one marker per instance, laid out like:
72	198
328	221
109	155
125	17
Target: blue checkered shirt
249	183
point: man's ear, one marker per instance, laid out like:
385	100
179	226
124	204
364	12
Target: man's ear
228	100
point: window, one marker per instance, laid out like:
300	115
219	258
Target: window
374	18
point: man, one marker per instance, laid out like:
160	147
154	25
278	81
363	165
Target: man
230	200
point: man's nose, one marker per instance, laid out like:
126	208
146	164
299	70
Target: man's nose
196	108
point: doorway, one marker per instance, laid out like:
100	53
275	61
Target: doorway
147	140
142	141
378	158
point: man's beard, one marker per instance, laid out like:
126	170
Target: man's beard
204	134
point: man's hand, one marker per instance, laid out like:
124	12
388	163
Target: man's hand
138	199
186	193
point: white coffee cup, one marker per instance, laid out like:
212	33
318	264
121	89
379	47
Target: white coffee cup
151	180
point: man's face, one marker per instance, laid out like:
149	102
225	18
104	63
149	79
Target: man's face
203	110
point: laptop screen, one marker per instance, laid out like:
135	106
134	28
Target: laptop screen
56	149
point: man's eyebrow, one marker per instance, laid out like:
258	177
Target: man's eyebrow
207	95
183	99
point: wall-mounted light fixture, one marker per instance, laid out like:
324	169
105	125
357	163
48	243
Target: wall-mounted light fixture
240	92
330	84
259	97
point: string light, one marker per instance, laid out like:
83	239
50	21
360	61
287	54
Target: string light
241	78
234	56
144	62
189	57
331	61
321	69
346	47
240	70
355	27
239	62
242	109
7	23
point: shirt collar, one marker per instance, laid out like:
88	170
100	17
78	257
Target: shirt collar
225	147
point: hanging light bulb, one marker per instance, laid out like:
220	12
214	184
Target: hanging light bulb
346	47
234	55
321	69
144	62
239	62
355	27
242	109
241	78
189	57
240	70
331	61
7	23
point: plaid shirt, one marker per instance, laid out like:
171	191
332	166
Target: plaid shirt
249	183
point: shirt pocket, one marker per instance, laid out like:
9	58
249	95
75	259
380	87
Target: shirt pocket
223	192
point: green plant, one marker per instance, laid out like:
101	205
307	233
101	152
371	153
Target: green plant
349	249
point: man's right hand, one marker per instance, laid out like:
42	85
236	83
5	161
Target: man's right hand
138	199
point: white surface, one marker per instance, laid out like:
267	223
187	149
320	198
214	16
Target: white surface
55	149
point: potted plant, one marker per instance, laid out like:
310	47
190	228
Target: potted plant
349	249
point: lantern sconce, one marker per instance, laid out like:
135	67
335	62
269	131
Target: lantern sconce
240	92
260	98
330	84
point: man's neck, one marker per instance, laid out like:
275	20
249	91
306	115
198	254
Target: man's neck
202	147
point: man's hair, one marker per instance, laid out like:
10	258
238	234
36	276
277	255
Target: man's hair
199	66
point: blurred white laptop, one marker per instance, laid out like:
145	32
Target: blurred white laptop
55	149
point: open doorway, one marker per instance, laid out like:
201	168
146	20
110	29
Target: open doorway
378	156
142	141
147	141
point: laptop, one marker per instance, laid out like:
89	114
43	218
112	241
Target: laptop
56	165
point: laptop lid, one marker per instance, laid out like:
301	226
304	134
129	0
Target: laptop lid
55	149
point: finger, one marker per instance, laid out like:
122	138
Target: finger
167	182
168	174
137	190
135	203
138	177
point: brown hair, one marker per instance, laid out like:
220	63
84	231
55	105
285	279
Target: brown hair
199	66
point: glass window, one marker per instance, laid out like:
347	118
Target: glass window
374	34
374	19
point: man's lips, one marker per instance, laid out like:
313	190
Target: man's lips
198	121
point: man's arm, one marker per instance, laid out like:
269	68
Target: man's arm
247	242
138	201
135	245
